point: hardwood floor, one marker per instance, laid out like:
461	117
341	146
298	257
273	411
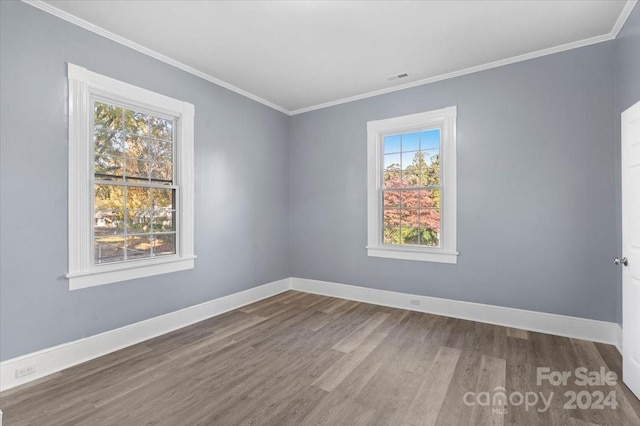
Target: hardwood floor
302	359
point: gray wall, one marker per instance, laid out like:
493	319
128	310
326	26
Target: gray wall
627	46
539	186
627	76
535	188
241	207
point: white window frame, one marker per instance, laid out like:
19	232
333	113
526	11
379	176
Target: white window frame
83	271
445	120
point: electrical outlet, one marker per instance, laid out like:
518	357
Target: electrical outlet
25	371
415	302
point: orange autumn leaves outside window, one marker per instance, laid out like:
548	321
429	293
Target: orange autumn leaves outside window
411	189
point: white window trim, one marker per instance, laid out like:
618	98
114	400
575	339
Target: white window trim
376	130
83	272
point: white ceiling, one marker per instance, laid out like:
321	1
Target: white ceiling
298	55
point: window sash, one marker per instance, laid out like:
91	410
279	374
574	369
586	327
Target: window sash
400	209
175	220
132	181
383	189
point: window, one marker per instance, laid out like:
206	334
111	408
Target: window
130	181
412	187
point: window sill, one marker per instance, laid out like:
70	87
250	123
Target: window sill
105	274
424	255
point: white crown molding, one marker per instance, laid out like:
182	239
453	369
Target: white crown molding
57	358
46	7
624	15
471	70
622	18
541	322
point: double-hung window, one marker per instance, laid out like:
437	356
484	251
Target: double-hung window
412	187
130	181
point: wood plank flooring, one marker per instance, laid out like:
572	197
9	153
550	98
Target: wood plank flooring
302	359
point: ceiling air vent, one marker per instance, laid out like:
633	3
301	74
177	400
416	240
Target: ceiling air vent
398	76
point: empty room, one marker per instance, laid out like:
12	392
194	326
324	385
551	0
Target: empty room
319	212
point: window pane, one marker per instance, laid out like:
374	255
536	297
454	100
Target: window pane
136	148
164	244
412	164
410	198
138	221
427	168
107	117
108	249
108	197
429	198
162	171
108	222
161	128
431	157
409	235
391	144
429	237
430	168
136	170
160	151
108	142
138	198
391	199
138	247
136	123
391	179
411	159
430	139
392	162
410	177
430	176
410	217
163	199
430	218
392	217
391	235
163	220
108	167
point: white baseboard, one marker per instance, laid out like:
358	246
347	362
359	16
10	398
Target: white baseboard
560	325
54	359
619	338
57	358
